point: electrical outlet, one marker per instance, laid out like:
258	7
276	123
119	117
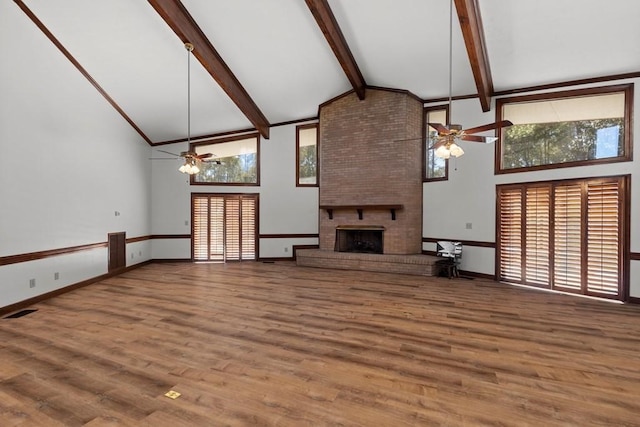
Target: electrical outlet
131	255
140	253
32	283
56	276
469	226
286	249
186	222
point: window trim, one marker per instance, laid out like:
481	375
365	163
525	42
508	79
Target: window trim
628	125
256	135
425	128
299	128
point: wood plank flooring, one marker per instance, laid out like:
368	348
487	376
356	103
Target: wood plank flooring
275	344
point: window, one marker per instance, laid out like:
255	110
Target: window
436	168
239	161
307	155
224	227
565	235
570	128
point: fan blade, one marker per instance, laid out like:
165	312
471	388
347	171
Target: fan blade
215	162
501	124
440	128
167	152
476	138
204	156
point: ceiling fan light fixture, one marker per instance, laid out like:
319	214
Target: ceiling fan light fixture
443	152
456	150
447	150
190	167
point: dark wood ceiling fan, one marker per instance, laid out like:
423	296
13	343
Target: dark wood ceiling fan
193	156
447	135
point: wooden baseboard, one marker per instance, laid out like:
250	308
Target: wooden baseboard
476	275
26	303
274	259
633	300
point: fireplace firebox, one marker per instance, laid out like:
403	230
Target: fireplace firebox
360	239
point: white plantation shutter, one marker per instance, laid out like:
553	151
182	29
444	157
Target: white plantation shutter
567	231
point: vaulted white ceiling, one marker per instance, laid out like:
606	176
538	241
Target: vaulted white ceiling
279	54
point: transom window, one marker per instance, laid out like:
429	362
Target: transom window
235	161
307	155
436	168
570	128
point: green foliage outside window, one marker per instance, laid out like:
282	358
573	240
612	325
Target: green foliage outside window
308	166
242	169
436	166
527	145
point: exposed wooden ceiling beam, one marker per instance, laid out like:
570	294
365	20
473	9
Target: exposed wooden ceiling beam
471	25
327	22
182	23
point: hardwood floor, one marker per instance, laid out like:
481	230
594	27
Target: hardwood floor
277	344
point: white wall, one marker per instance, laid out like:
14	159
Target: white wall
469	194
68	162
284	208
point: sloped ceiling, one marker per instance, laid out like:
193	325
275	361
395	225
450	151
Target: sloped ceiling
278	53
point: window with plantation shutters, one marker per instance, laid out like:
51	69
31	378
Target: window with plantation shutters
224	227
510	234
565	235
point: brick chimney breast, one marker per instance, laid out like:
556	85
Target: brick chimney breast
364	163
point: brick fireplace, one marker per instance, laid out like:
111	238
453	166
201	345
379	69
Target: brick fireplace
371	170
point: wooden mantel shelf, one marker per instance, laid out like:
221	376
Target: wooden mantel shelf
361	208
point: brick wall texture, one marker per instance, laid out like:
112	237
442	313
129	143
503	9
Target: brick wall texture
366	159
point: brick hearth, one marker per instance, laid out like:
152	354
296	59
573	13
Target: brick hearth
421	265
